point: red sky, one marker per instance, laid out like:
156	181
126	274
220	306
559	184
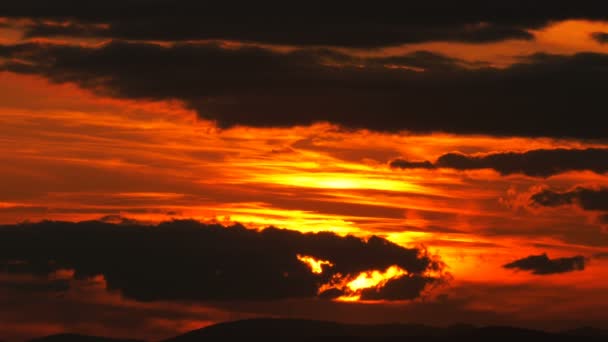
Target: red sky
72	154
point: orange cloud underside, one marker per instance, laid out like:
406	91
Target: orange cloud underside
562	37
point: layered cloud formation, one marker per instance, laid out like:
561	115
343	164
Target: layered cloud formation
587	199
256	86
534	163
301	23
187	260
472	128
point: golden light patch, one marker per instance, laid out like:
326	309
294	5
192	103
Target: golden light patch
316	265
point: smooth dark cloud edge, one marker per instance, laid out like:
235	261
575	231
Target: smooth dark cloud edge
542	265
189	260
534	163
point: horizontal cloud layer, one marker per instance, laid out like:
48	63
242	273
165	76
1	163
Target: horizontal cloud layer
587	199
535	163
188	260
544	95
542	265
298	24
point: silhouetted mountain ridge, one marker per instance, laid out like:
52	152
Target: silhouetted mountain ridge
296	328
300	328
79	338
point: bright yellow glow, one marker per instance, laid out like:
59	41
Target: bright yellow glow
349	298
341	181
289	219
314	264
352	286
156	161
374	278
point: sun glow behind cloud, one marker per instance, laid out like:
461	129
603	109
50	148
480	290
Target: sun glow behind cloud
156	161
316	266
72	155
366	280
351	285
561	37
342	180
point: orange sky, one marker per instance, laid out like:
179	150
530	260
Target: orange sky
70	155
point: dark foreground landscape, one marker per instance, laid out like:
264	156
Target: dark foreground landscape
296	329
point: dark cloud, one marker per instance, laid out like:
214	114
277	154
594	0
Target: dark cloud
399	289
587	199
548	198
544	95
406	164
187	260
535	163
473	21
542	265
38	306
600	37
294	24
29	286
282	32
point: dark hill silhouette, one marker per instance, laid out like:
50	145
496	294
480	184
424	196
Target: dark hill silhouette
79	338
297	329
294	328
589	332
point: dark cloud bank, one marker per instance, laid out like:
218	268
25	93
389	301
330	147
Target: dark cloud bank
585	198
543	95
303	23
543	265
600	37
188	260
589	199
535	163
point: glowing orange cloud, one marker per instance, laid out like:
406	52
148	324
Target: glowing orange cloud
316	265
352	286
374	278
561	37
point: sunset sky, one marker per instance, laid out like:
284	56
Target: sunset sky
467	138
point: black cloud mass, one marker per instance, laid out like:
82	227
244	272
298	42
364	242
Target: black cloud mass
534	163
419	91
600	37
299	23
543	265
188	260
587	199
